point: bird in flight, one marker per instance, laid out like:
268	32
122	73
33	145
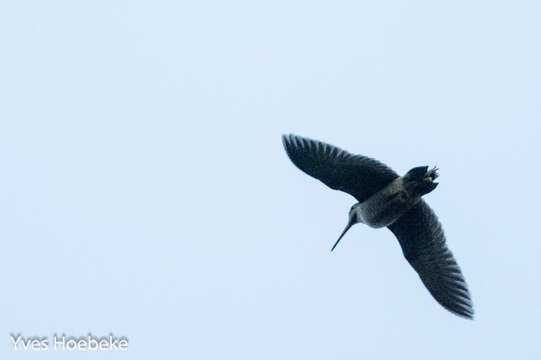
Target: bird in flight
386	199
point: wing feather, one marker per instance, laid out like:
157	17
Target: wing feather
358	175
423	243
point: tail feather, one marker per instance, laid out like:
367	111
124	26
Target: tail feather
421	179
417	173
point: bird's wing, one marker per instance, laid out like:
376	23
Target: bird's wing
357	175
423	243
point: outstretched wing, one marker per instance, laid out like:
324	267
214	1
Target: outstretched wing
357	175
423	243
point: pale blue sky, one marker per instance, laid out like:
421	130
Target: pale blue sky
144	190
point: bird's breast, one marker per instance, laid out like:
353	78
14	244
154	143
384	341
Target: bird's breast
387	205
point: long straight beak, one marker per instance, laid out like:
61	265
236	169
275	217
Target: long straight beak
349	225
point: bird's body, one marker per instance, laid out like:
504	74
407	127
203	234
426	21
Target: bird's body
385	206
387	200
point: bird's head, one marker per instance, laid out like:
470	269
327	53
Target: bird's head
354	218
